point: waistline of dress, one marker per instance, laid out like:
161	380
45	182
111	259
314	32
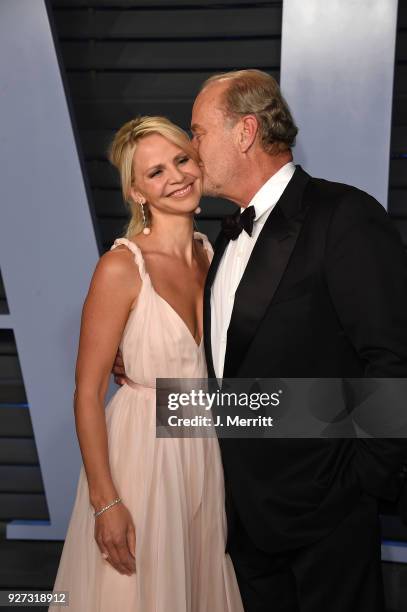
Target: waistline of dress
138	386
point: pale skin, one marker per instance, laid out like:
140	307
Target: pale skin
233	162
177	265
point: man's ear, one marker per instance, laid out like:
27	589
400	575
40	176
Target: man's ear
248	131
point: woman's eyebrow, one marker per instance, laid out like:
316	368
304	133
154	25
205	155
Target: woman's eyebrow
181	154
161	166
156	167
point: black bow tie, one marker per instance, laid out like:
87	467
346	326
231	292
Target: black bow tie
232	225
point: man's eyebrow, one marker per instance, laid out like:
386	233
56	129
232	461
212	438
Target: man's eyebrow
195	126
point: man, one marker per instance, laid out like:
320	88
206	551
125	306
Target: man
309	281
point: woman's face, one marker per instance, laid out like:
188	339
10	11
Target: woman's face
165	176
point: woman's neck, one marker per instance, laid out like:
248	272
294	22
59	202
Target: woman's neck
170	235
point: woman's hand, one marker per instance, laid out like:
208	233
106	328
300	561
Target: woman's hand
115	535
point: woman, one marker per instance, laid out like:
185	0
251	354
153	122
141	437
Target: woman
158	538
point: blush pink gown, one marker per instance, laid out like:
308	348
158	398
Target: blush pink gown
173	487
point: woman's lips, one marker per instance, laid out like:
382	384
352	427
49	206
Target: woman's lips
180	193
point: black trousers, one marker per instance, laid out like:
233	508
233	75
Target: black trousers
339	573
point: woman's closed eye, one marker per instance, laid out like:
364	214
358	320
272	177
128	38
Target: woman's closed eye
158	171
155	173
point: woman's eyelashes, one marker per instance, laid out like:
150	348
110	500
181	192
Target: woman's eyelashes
181	160
155	173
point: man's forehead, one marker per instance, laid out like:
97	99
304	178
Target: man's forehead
210	93
206	108
202	121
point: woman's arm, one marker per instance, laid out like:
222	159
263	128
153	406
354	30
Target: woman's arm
114	286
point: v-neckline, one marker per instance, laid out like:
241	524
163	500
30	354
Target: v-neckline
198	346
196	236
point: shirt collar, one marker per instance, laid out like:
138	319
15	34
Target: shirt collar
269	193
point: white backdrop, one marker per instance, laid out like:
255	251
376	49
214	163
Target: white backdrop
47	247
337	66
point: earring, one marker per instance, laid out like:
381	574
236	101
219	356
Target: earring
146	229
198	210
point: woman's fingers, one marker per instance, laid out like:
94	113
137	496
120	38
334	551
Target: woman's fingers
125	558
131	543
116	537
114	557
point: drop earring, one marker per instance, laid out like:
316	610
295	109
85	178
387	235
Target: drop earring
197	210
146	229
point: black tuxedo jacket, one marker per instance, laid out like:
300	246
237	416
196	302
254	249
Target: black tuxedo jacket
324	294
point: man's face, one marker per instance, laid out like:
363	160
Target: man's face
214	139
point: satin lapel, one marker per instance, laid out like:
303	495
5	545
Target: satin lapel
264	270
220	246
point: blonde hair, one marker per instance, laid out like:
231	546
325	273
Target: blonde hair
256	92
121	153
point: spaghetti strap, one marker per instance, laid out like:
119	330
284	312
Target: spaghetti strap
206	244
138	257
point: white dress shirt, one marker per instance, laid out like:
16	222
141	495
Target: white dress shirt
234	262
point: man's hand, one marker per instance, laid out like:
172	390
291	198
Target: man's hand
118	370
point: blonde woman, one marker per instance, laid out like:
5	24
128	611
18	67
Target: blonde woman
147	532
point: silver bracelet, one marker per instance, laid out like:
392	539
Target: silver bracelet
115	501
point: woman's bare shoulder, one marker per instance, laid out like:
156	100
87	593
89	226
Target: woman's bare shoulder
117	266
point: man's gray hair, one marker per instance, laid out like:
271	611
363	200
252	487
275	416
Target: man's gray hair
254	92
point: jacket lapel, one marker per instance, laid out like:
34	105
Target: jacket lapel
219	248
264	270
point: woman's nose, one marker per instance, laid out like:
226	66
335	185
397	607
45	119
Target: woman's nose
176	174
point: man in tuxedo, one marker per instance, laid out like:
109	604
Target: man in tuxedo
308	279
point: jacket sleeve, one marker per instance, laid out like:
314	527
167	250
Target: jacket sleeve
365	269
